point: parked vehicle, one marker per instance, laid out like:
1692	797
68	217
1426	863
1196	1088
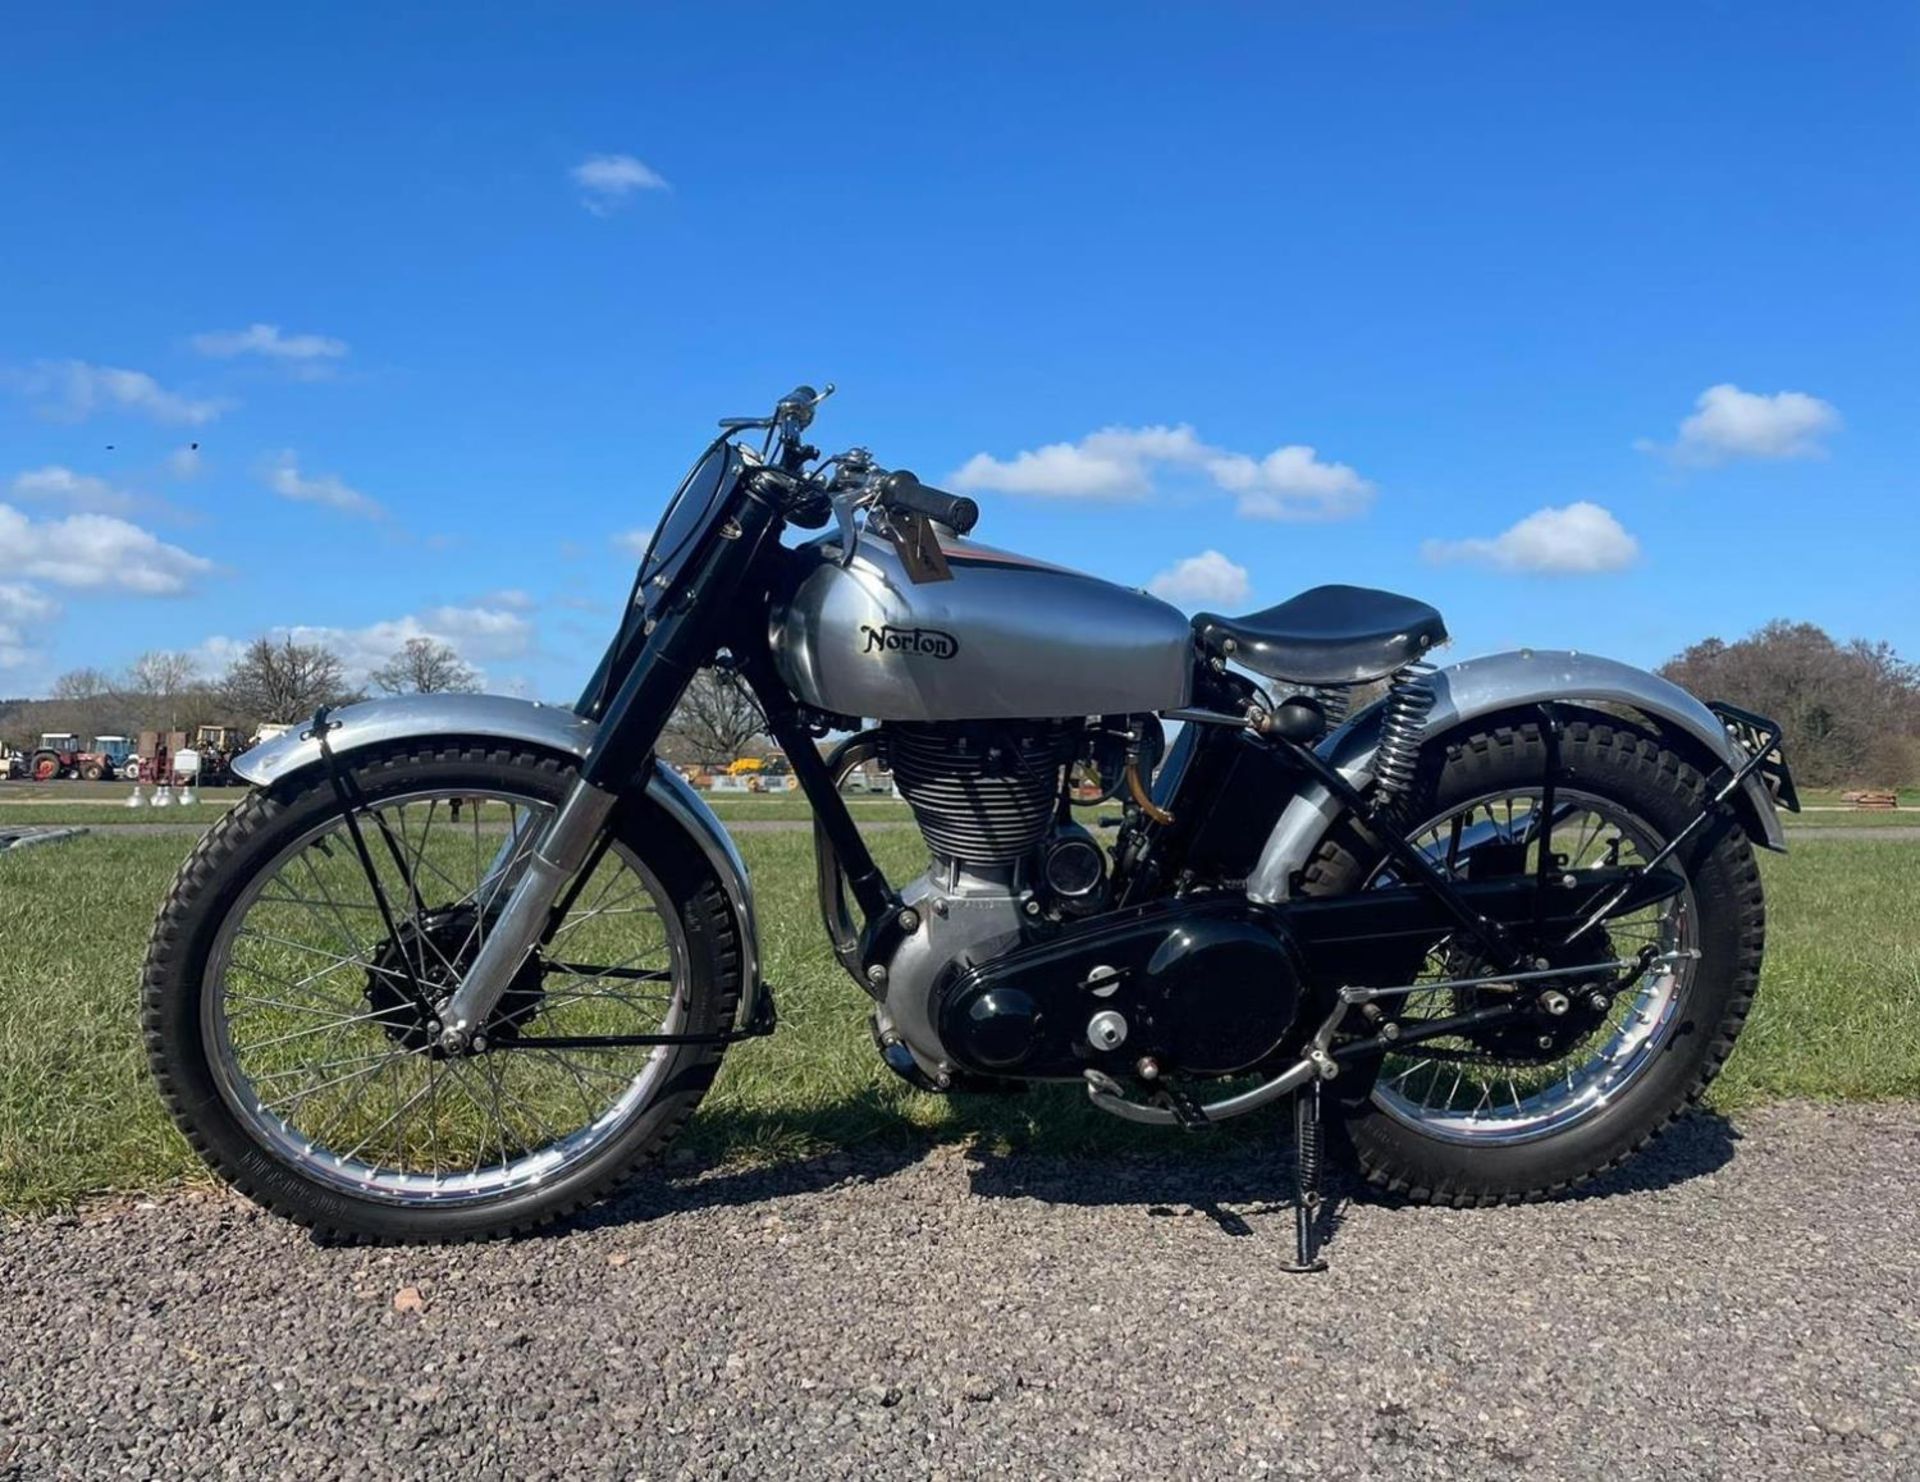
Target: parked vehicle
112	756
217	747
1502	924
60	754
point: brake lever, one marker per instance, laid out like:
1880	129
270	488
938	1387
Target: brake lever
846	504
851	490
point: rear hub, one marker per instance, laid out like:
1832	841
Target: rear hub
1554	1017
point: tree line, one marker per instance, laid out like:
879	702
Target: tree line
270	680
1851	710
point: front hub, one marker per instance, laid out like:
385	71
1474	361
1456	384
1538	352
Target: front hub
440	946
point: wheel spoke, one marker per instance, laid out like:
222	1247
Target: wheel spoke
323	1038
1484	1082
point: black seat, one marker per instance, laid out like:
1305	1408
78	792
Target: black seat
1329	635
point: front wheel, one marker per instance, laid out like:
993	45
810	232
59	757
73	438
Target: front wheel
1529	1108
288	1004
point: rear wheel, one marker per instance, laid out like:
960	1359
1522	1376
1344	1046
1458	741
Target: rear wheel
291	1025
1534	1106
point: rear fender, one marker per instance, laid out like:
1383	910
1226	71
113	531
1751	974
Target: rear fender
526	722
1477	688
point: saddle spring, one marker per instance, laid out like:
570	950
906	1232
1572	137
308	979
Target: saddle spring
1410	699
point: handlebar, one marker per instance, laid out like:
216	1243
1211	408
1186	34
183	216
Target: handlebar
901	490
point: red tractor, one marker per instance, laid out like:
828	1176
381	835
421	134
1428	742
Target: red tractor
59	755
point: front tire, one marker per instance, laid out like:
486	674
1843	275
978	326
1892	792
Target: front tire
237	1097
1440	1159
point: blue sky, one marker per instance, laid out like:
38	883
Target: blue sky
1599	322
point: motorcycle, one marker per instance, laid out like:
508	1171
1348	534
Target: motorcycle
459	964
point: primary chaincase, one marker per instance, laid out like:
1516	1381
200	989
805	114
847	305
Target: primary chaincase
1200	987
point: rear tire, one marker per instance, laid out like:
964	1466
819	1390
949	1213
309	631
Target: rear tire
252	836
1630	766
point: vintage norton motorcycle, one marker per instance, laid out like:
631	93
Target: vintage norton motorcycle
461	963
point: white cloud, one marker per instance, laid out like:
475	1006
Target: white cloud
478	633
268	340
1291	483
605	180
633	542
19	605
75	390
1119	463
71	491
1731	423
1577	538
283	476
95	551
1113	463
1206	578
515	599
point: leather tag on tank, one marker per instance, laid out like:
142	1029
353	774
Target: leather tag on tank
912	536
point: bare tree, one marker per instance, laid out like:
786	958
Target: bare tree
717	717
87	702
166	680
83	684
425	666
284	681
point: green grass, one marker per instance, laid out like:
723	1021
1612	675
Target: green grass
1839	1016
105	815
1853	818
780	807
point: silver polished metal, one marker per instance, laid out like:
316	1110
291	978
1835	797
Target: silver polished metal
965	914
548	727
1465	691
1107	1030
1007	637
284	1114
562	848
1316	1065
1652	1005
1109	1099
407	716
1494	980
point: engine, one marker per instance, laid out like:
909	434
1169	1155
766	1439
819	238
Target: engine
1012	965
983	794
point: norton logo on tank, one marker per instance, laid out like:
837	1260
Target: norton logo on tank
929	643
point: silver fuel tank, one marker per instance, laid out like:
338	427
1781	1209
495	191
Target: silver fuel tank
1006	637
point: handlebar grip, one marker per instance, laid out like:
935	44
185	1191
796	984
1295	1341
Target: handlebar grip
902	490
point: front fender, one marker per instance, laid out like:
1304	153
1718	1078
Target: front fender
549	727
1477	687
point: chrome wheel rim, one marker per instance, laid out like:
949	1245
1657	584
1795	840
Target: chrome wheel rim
1493	1104
314	1050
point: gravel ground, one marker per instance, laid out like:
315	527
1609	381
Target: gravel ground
1738	1304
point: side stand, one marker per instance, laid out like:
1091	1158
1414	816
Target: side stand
1306	1180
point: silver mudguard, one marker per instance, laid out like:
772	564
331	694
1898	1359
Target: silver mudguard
549	727
1464	692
